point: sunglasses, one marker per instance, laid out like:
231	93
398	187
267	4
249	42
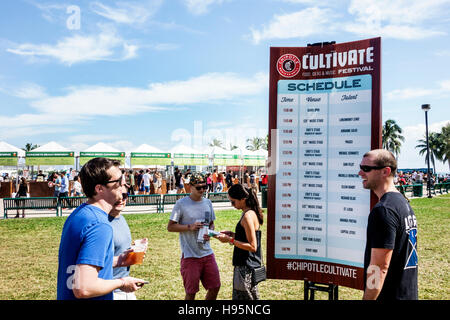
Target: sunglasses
201	187
114	181
370	168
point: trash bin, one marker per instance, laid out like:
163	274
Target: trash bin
417	190
264	197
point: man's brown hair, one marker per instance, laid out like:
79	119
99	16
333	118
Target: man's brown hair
94	173
384	158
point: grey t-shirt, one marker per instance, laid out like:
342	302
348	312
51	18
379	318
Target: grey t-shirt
122	242
188	211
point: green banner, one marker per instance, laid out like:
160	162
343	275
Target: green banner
86	156
59	158
253	160
190	159
150	159
227	160
8	158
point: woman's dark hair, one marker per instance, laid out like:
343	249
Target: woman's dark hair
239	192
94	173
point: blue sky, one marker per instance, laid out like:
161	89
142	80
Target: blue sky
161	72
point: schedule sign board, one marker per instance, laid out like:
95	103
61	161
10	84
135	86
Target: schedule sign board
324	114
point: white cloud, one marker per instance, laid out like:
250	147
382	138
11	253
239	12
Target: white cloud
442	90
299	24
31	125
51	12
113	101
106	45
84	103
127	12
29	91
199	7
399	19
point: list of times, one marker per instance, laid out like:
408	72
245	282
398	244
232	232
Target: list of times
324	128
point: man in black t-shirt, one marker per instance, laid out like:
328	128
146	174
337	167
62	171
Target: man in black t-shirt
390	260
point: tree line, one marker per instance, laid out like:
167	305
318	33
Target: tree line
439	142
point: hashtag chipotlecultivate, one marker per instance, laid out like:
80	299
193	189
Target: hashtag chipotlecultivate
322	268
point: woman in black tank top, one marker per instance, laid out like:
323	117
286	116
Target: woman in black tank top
22	193
246	241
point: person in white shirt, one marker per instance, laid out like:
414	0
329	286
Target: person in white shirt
76	189
146	181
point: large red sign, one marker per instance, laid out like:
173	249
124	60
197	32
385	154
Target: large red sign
324	114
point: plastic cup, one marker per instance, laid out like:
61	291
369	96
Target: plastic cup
138	253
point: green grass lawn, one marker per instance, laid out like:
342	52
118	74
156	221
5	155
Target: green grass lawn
29	257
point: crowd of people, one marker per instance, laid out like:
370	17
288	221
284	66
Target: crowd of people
94	248
217	181
146	181
88	256
419	177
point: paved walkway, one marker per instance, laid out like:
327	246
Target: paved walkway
127	210
136	209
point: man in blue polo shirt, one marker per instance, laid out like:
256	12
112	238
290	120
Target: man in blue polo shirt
86	252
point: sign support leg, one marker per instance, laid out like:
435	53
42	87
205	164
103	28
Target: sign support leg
311	287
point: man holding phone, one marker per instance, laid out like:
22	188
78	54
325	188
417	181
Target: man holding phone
85	260
190	215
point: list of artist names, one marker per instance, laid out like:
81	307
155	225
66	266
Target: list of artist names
324	128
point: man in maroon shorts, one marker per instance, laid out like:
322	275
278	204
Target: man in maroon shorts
189	216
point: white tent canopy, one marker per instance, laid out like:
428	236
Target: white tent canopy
51	147
147	148
101	147
184	155
218	150
184	149
6	147
101	150
64	161
259	152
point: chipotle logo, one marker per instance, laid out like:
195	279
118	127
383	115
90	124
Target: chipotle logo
288	65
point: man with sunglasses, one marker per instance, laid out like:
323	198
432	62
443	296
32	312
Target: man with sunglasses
390	260
86	252
189	215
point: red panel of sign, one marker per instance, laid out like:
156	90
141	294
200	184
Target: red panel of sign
324	114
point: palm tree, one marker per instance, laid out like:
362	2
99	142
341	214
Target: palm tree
436	146
266	143
445	137
216	143
392	138
255	143
30	146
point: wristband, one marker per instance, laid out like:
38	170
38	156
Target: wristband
232	241
123	284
